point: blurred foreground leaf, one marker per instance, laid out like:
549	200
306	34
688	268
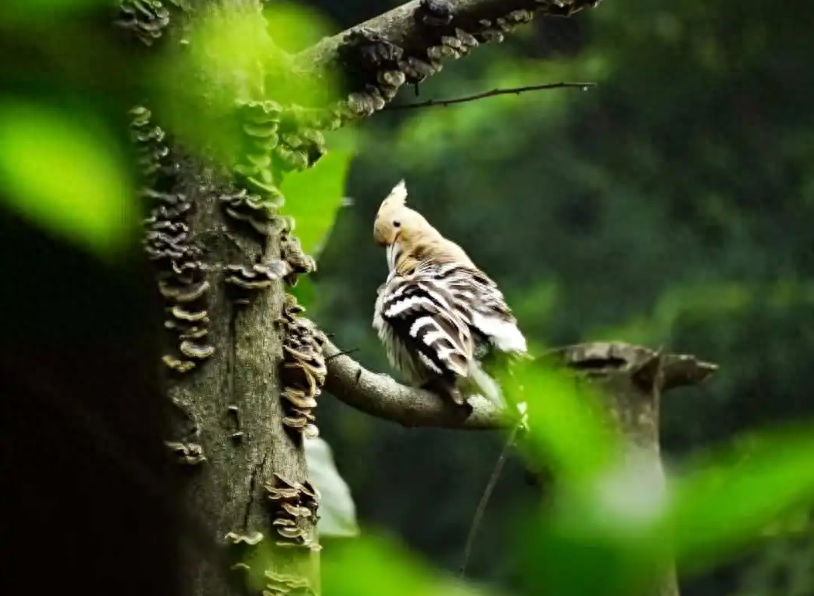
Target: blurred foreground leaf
12	10
374	565
63	174
231	58
314	196
568	426
721	507
602	535
337	511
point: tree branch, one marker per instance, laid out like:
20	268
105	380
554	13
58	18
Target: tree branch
493	93
407	44
381	396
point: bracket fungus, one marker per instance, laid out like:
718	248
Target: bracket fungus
144	19
280	584
181	281
187	453
148	139
303	370
256	211
292	502
260	123
292	253
252	539
245	280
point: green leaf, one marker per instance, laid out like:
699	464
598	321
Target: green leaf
337	511
376	565
603	535
569	428
231	57
61	173
720	507
314	196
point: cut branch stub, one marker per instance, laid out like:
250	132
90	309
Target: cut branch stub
632	379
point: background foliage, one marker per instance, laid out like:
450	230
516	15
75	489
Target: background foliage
670	205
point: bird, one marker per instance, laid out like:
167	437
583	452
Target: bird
444	323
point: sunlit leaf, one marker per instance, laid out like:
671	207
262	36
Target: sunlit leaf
337	511
229	57
314	196
603	535
62	173
721	507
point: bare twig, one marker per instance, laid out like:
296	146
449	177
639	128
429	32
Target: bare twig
484	500
493	93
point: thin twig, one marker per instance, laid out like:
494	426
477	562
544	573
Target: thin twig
493	93
484	500
345	353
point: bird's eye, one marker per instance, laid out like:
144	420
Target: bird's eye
397	224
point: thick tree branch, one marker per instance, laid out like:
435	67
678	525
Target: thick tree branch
408	44
401	27
381	396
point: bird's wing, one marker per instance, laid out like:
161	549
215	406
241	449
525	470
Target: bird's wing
480	303
423	314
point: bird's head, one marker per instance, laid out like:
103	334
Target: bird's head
408	237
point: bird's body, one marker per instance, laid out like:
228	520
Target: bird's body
443	322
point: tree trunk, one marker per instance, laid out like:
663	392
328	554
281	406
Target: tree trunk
238	448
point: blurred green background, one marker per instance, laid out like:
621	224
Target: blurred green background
671	205
668	206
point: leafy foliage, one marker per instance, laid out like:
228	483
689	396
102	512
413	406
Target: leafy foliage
65	175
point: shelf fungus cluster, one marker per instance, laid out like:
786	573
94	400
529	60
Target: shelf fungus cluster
298	262
190	454
144	19
282	584
378	67
181	279
149	141
291	504
253	210
276	140
302	371
245	280
260	124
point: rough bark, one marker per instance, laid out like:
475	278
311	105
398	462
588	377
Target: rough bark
223	353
